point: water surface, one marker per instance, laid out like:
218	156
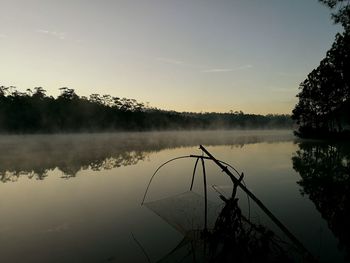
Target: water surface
76	198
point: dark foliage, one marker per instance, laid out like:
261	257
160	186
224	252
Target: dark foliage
341	13
324	99
35	112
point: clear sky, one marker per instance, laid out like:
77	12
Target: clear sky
185	55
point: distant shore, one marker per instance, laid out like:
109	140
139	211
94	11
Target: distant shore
34	112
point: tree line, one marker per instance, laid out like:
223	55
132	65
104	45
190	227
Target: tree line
34	111
324	98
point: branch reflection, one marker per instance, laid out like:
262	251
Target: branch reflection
325	178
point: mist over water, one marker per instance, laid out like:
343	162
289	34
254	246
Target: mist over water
36	155
76	198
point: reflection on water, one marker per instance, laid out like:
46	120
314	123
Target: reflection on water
96	216
324	169
233	238
35	156
225	235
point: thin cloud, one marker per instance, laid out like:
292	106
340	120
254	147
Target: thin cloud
3	36
59	35
219	70
178	62
170	61
202	68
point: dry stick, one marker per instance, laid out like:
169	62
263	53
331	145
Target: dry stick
207	158
235	185
205	198
150	181
177	158
142	248
194	172
259	203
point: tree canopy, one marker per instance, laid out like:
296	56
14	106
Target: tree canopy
341	14
324	97
35	112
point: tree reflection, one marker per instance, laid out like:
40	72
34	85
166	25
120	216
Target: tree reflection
325	178
36	155
70	169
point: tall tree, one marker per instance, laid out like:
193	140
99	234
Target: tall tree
341	14
325	93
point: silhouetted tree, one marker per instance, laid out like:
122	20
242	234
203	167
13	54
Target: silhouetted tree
326	91
39	93
34	111
342	11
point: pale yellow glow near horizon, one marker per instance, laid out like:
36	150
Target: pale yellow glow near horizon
193	56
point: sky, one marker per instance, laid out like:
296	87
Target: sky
183	55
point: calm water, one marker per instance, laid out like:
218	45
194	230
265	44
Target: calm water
77	198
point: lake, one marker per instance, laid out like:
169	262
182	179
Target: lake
77	197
